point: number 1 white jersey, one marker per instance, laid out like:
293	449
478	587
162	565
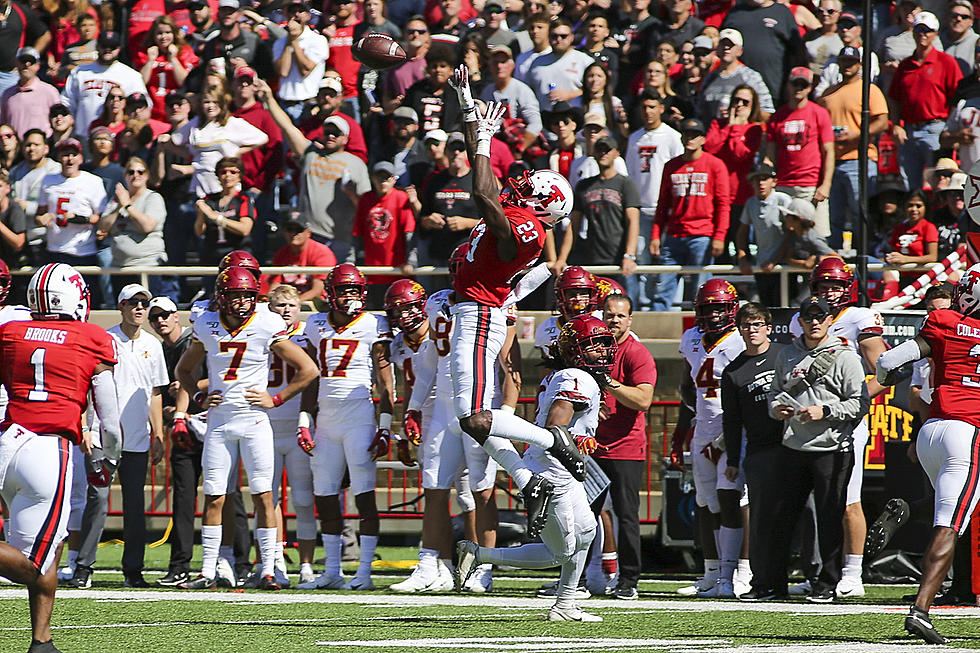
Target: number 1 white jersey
578	387
238	359
850	323
344	353
707	364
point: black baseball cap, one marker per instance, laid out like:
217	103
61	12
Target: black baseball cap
608	142
761	170
137	99
174	97
109	40
693	125
813	305
849	52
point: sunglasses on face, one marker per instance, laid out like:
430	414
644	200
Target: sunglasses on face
134	172
960	16
555	36
741	101
416	31
163	315
814	317
827	12
136	302
7	135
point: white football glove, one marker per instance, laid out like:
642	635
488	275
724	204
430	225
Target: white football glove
488	125
460	80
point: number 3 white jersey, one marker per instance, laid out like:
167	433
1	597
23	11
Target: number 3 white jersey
578	387
412	360
707	364
850	323
344	353
280	374
238	360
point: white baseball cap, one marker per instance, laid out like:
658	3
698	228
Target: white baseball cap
164	304
928	19
732	35
131	290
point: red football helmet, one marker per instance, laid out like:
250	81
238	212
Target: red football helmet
834	269
586	343
573	279
607	287
5	280
342	276
240	259
236	280
407	295
456	258
715	292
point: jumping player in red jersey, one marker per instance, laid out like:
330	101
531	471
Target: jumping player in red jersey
48	365
507	240
948	445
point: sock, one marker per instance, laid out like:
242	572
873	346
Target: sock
853	565
731	543
280	556
227	551
304	567
368	544
267	538
712	568
429	562
72	558
333	546
504	453
210	543
610	563
744	572
512	427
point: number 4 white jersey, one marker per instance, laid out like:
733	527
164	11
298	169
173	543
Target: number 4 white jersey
578	387
238	360
344	353
850	323
707	364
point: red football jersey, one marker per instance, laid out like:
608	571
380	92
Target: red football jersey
47	368
955	343
483	277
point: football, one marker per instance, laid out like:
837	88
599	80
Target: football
379	51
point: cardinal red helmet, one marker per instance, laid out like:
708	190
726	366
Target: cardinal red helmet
607	287
834	269
408	296
236	280
456	258
5	280
341	276
586	343
713	293
240	259
574	279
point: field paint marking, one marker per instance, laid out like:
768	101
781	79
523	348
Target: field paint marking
526	643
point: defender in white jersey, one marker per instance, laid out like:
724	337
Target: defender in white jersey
284	300
570	400
237	340
860	329
707	350
576	293
353	350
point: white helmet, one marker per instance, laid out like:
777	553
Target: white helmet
967	293
545	193
58	290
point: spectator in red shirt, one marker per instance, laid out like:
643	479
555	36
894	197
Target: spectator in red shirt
384	228
622	435
693	212
920	96
915	240
800	143
164	62
302	251
341	36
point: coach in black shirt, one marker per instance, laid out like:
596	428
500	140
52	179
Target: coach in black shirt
744	399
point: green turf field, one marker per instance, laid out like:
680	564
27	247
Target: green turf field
111	618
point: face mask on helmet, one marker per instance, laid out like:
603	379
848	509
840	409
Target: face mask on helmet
408	317
966	297
347	299
240	303
599	354
576	301
715	317
835	292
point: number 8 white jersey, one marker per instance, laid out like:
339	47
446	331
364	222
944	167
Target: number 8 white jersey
344	353
238	360
707	364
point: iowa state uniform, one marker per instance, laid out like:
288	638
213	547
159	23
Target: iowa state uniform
482	284
238	360
707	365
345	423
47	369
948	445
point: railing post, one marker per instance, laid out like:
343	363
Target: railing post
784	288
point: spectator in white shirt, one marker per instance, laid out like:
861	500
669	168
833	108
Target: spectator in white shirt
299	58
557	76
538	29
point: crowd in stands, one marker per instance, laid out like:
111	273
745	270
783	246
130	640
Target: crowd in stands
693	131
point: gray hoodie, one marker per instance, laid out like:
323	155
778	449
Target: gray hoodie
841	390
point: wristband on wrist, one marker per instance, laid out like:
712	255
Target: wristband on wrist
180	415
470	114
483	147
305	420
507	409
384	421
631	257
277	400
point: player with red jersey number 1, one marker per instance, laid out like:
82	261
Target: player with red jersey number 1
48	365
507	240
948	445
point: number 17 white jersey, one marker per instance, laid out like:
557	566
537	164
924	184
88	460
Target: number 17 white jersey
344	353
707	364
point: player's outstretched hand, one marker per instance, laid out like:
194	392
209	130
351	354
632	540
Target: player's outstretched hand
413	426
404	453
460	81
489	124
586	444
259	398
180	436
380	444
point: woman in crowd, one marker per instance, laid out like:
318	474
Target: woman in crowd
655	78
476	55
9	148
915	240
113	116
164	62
225	217
376	21
597	97
736	139
668	55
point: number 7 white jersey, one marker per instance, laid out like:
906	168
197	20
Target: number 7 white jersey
707	364
344	353
238	359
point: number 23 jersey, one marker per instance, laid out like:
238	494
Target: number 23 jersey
707	364
955	343
238	359
344	353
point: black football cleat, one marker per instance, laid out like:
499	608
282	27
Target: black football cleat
43	647
566	452
919	624
200	583
269	583
537	497
892	518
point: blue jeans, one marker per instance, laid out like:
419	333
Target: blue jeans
694	250
919	151
844	209
641	287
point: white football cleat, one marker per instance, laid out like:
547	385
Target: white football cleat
480	581
723	589
741	587
359	583
573	613
324	582
465	562
418	581
702	584
800	589
225	574
850	587
306	573
66	573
